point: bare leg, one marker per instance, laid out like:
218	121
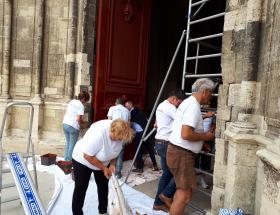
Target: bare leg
181	199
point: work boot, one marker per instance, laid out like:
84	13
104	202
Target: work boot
167	201
160	208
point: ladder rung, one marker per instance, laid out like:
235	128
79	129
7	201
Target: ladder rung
199	2
207	18
190	75
8	185
205	37
9	199
202	171
204	56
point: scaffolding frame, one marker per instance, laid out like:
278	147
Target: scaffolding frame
200	41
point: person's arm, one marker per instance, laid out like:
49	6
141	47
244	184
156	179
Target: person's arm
112	166
188	133
95	162
82	123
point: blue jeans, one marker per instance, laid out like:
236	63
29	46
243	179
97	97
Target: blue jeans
119	163
71	135
166	183
139	164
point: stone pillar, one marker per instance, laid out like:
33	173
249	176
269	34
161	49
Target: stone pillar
241	166
268	183
38	42
37	67
71	49
6	48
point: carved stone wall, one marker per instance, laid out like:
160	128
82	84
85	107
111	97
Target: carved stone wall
246	172
46	57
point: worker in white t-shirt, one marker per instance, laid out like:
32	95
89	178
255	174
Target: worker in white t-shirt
186	140
165	115
119	111
96	153
72	121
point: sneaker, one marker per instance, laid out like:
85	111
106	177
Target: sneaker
138	170
160	208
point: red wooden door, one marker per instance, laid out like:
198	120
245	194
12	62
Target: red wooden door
121	53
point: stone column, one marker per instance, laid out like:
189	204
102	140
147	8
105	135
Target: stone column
38	43
71	49
269	189
37	67
6	48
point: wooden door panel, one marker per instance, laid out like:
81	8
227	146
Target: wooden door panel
121	53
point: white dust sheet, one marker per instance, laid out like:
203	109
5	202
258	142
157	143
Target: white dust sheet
137	201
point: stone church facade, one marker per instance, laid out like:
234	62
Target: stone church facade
47	56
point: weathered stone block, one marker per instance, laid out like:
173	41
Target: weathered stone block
220	128
25	28
217	199
223	95
240	187
228	68
220	173
221	147
224	113
234	94
242	154
26	11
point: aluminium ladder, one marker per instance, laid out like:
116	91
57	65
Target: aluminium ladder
27	191
186	75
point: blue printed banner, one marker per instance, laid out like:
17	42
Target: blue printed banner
26	187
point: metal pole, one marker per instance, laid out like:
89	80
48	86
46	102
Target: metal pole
156	102
187	45
196	60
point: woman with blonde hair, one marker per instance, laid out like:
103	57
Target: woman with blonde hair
97	153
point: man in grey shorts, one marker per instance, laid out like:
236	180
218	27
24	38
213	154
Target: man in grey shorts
186	140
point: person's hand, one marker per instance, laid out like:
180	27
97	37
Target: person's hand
107	172
155	125
208	114
209	136
112	168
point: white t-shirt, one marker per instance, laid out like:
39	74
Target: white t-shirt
97	142
165	115
74	108
188	113
119	112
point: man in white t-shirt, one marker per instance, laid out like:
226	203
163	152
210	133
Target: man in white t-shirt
96	153
165	115
119	111
186	140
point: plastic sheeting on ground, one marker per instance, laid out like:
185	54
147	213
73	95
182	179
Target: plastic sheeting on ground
64	185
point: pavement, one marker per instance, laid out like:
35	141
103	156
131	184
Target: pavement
145	183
